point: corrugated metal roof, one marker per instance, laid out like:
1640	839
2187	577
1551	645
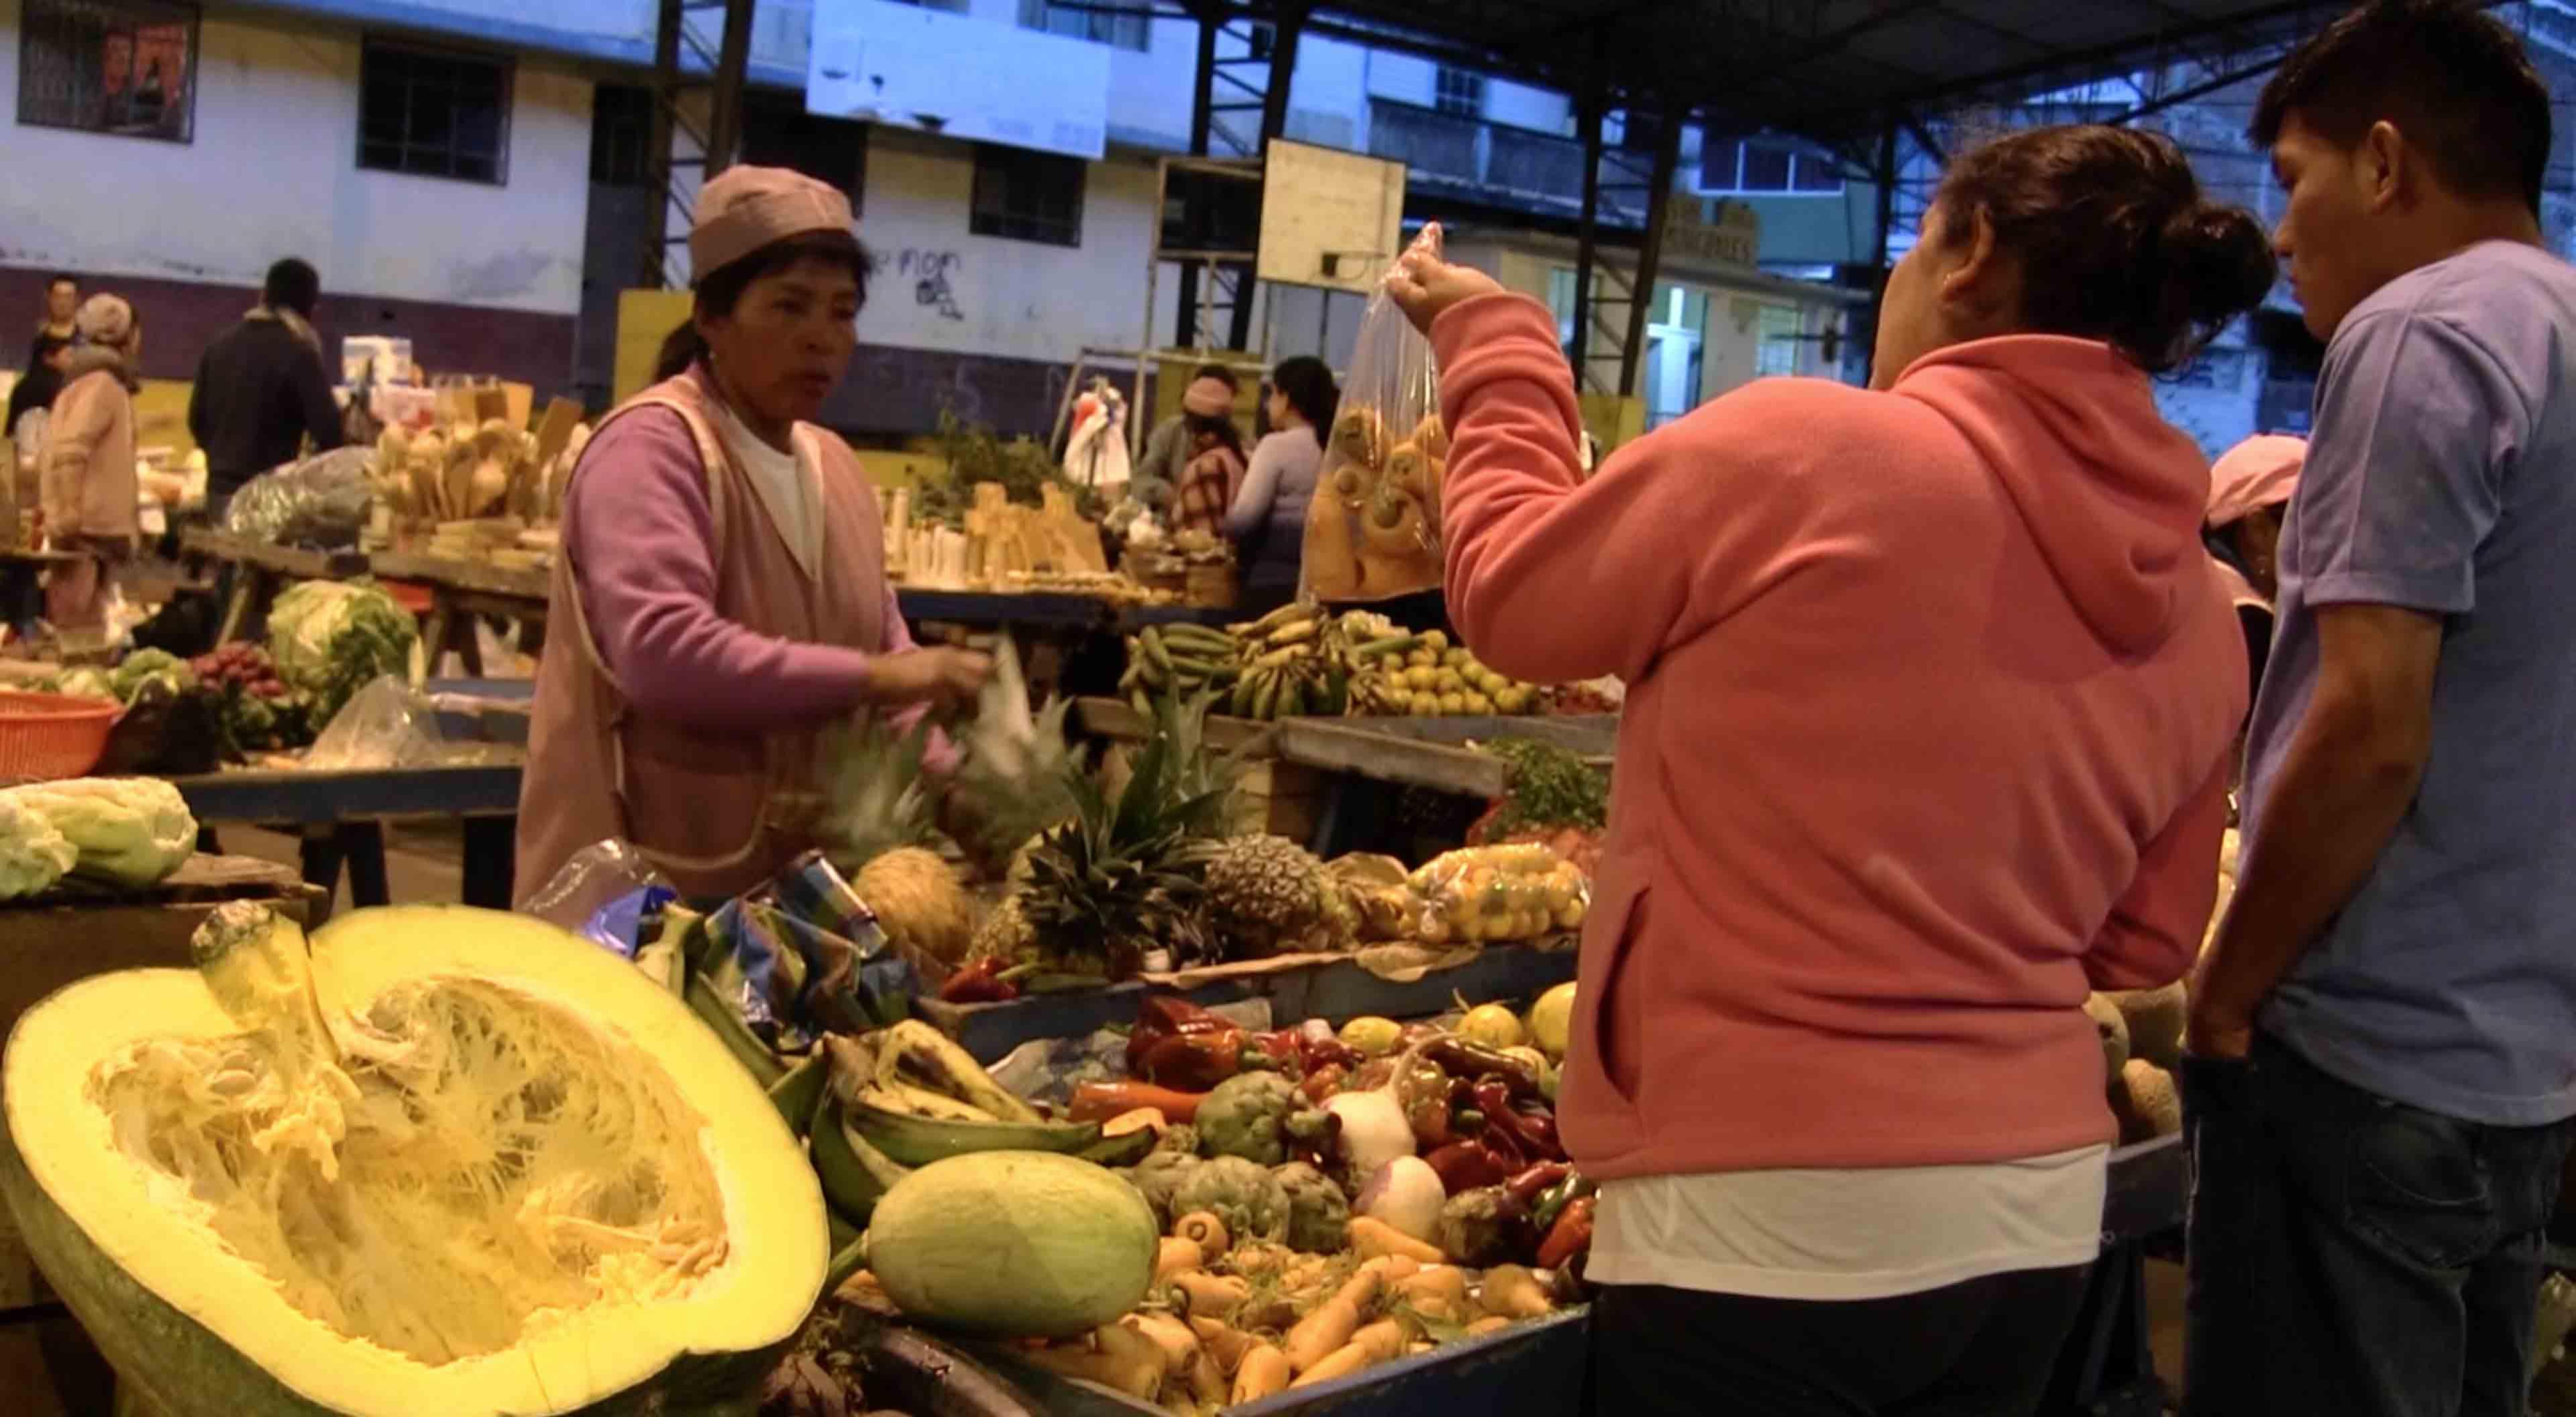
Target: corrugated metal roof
1833	69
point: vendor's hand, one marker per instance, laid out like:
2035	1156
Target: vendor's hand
1422	285
2217	1032
939	677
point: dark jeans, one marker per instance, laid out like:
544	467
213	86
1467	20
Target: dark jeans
1983	1348
2353	1255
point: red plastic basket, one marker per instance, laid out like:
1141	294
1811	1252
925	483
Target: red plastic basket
48	736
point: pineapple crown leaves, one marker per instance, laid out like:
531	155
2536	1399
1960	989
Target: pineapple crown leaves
874	796
1017	761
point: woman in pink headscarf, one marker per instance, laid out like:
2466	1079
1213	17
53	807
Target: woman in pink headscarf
2249	491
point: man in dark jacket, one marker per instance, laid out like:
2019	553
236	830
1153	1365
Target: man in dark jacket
261	389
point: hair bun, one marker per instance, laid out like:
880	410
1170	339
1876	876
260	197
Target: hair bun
2219	262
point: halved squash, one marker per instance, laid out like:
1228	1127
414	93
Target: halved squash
434	1161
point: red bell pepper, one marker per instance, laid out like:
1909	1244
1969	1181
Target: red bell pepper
1163	1016
978	982
1571	1235
1464	1166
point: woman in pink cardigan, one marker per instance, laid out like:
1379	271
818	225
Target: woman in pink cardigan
86	480
1931	693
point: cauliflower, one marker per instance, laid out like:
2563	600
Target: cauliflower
33	854
332	638
1319	1215
1159	1175
1183	1139
132	831
1243	1194
87	682
1255	1116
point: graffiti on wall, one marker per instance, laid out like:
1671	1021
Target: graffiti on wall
929	271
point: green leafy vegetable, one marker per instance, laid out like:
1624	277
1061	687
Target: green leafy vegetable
1551	788
332	638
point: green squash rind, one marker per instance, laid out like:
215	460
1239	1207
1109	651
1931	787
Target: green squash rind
182	1368
919	1141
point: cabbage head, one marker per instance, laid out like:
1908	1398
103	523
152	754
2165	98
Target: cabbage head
33	855
332	638
131	831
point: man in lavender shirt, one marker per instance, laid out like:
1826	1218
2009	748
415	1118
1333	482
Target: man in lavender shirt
2383	1035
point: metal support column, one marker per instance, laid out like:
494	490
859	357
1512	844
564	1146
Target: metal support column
665	91
1587	241
733	60
1885	176
1285	29
1185	311
1650	253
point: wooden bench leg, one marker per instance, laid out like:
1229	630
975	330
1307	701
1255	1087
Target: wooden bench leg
491	861
250	587
323	854
363	845
434	636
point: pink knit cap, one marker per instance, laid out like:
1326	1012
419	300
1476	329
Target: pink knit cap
1207	397
2257	473
747	208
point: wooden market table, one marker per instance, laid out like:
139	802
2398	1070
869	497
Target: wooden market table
261	569
341	813
460	591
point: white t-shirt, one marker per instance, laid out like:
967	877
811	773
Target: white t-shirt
1851	1234
790	491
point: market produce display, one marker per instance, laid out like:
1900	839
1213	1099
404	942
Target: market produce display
430	1160
1301	660
254	710
332	638
1323	1210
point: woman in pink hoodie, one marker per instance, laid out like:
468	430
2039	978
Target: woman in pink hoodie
1931	693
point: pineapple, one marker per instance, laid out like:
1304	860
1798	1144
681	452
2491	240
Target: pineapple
875	823
1267	895
1097	892
1013	782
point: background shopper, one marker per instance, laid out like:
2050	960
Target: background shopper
2383	1034
263	389
1931	696
2249	494
1268	518
86	472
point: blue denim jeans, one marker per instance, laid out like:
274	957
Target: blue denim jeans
2356	1256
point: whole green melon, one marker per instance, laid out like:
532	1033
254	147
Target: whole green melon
1013	1244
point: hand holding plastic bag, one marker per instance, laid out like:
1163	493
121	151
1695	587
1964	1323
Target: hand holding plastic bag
1373	530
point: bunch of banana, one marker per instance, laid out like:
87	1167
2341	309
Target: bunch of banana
907	1096
1300	660
1180	657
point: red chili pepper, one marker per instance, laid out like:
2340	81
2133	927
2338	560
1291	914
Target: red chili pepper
1194	1062
1465	1166
1163	1016
1100	1101
1526	1186
1281	1047
1323	1084
978	982
1570	1236
1327	1052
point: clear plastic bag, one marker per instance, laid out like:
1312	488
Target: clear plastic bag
1494	894
321	502
597	879
1373	530
387	724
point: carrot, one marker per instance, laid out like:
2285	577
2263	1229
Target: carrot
1264	1371
1340	1363
1206	1383
1178	1341
1372	1345
1208	1294
1258	1257
1371	1238
1328	1328
1391	1268
1513	1292
1203	1228
1100	1101
1361	1289
1113	1357
1446	1283
1173	1256
1223	1342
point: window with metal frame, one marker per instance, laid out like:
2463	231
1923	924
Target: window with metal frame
1459	91
1023	195
1127	29
434	112
126	67
621	136
1778	332
1755	166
